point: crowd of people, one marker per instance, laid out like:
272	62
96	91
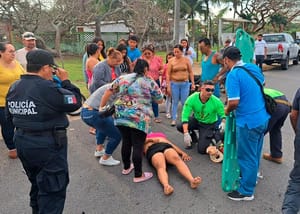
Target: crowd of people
135	82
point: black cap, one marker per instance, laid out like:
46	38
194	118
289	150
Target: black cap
40	57
232	53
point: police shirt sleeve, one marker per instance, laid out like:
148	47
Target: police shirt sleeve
70	97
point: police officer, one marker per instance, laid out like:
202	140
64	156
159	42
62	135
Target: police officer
38	109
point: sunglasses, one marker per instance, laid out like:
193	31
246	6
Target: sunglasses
209	89
28	35
55	68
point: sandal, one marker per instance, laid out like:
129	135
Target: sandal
92	131
128	171
146	176
157	120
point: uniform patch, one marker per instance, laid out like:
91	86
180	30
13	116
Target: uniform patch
70	99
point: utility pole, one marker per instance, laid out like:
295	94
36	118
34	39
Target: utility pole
176	21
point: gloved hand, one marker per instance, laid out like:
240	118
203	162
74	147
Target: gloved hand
222	126
187	139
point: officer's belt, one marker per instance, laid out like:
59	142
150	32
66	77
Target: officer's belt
284	102
35	132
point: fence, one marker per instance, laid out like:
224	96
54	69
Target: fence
72	43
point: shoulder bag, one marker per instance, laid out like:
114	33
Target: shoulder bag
270	103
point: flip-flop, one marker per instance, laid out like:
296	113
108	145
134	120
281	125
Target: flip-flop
156	120
92	131
147	176
128	171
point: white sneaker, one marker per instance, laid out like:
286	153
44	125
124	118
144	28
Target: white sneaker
109	162
98	154
168	115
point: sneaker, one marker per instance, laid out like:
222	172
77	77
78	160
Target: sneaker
236	196
173	123
109	162
99	154
268	157
168	115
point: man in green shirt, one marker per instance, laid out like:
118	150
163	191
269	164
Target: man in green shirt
202	111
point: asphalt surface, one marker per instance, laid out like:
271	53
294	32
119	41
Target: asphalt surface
96	189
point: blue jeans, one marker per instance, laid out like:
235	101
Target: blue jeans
104	127
7	130
155	104
180	92
249	146
291	202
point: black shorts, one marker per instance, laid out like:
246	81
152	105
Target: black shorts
155	148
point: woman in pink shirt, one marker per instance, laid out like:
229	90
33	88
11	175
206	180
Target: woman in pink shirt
155	70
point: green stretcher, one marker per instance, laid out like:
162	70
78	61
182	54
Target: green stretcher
230	167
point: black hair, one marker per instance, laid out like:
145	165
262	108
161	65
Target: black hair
179	46
188	45
260	34
121	48
91	49
171	53
206	41
3	47
98	39
232	53
133	37
208	82
140	66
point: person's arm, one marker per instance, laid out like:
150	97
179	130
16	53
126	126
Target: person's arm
265	50
192	52
191	73
231	105
168	78
218	59
105	97
294	118
183	155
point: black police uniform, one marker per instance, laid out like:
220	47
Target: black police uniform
37	108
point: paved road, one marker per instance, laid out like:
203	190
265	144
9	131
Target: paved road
95	189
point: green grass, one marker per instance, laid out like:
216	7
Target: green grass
74	67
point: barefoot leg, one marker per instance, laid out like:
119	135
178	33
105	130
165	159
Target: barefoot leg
168	189
195	182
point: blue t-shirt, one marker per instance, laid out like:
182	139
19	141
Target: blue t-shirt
133	54
241	86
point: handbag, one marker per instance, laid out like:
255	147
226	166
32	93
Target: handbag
107	110
270	103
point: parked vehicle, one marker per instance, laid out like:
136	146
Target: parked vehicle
281	48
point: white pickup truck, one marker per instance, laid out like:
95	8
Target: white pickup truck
281	48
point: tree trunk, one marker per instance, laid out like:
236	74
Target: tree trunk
98	27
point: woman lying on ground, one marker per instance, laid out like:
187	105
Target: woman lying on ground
159	151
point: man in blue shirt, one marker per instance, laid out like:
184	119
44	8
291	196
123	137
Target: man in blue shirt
245	97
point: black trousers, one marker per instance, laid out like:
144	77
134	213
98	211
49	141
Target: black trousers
46	167
132	139
274	128
207	132
259	60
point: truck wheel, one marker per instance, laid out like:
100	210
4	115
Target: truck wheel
296	61
285	64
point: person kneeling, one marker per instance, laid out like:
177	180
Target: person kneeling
159	151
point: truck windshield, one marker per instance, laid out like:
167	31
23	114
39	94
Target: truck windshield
274	38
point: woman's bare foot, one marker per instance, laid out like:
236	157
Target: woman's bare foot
168	189
196	182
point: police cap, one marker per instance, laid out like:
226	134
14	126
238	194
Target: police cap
40	57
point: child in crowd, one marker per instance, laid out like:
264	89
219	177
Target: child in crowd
164	86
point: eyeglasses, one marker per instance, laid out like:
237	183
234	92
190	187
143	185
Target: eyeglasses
54	67
209	89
